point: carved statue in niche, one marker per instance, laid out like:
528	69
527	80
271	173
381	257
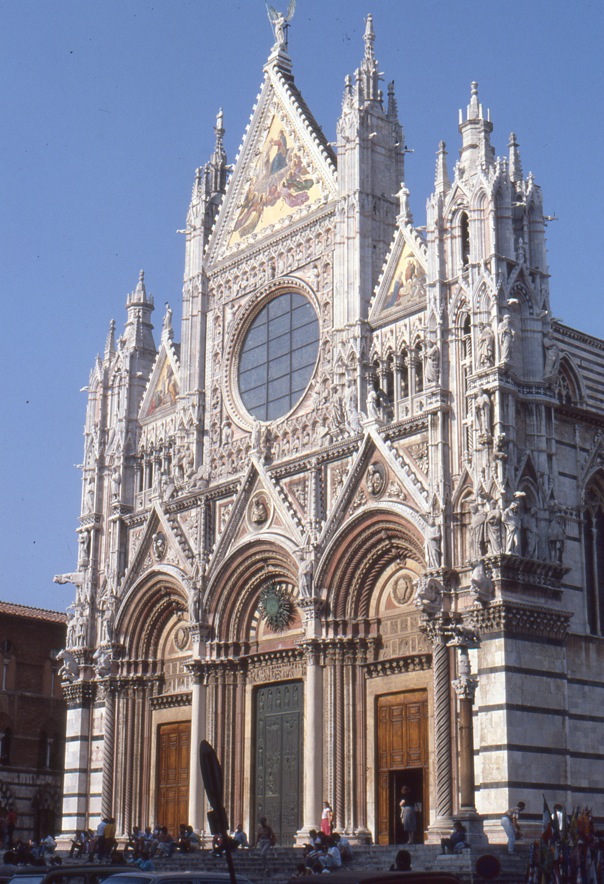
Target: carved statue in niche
375	479
84	546
512	525
556	537
353	418
493	528
373	404
552	357
433	543
486	346
506	338
116	481
482	407
432	371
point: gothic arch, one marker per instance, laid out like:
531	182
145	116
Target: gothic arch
232	599
360	553
570	389
147	610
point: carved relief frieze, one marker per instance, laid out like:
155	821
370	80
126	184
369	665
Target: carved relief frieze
282	666
386	667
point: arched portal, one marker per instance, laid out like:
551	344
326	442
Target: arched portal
377	679
147	716
255	684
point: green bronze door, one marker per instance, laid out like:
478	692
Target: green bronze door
278	780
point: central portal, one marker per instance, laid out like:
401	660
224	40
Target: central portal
278	768
402	743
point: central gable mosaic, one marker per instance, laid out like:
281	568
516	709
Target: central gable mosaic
280	181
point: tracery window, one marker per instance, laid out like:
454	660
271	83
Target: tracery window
464	233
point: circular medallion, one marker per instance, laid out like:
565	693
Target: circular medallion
259	510
278	356
181	638
375	479
402	588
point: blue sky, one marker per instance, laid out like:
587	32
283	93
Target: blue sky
106	110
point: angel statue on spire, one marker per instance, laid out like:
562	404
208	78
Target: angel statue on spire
280	23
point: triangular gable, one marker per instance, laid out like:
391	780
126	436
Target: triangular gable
164	385
402	286
157	547
378	473
260	507
284	170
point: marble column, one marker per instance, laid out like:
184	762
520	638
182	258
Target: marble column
312	801
199	728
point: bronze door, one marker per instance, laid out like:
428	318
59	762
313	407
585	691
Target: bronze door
278	767
174	742
402	743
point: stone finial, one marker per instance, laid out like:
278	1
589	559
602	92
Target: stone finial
474	108
441	178
110	342
514	162
369	37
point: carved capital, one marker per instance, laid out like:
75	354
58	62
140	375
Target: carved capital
465	687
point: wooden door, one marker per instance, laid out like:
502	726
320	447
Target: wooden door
174	744
278	765
402	744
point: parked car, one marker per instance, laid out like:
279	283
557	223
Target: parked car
64	874
359	876
128	877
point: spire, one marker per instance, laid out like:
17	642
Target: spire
138	331
217	167
110	342
514	162
441	178
368	75
476	147
392	111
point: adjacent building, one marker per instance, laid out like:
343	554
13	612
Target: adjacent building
32	718
348	524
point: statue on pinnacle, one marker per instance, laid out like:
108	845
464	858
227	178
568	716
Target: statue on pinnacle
280	23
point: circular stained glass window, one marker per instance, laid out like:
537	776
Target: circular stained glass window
278	356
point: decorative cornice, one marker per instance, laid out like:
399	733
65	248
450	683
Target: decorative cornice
514	618
415	663
81	693
170	701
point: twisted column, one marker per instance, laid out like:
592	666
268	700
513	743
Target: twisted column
442	730
108	755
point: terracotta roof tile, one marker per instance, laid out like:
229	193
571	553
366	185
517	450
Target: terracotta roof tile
33	613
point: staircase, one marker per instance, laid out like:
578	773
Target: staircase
282	862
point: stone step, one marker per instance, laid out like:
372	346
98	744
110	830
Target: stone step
282	862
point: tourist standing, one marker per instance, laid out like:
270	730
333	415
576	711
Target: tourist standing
509	823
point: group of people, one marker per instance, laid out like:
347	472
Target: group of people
101	843
158	842
326	851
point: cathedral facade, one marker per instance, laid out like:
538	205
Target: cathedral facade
350	528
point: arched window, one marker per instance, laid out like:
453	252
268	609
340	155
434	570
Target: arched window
419	368
464	374
464	234
6	738
593	546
